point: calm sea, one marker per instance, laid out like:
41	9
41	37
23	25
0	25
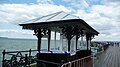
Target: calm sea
9	44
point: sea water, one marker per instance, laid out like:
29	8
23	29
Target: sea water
9	44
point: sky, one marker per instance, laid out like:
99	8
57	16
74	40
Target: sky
102	15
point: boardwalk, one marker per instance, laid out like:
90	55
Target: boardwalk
109	58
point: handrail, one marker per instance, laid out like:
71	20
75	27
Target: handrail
19	51
23	60
26	59
83	62
16	58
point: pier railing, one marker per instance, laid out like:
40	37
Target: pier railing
83	62
22	59
25	59
17	58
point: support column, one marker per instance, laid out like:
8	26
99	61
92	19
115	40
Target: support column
68	36
90	42
82	41
55	40
69	44
39	40
49	38
77	37
61	38
69	33
87	39
39	36
76	42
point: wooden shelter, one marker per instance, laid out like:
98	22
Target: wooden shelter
70	28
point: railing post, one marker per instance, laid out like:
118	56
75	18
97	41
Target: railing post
70	64
29	57
29	52
26	60
3	58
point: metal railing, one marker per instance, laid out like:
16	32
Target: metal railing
83	62
17	58
25	58
22	59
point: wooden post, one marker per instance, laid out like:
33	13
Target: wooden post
82	41
77	37
30	53
39	44
69	39
61	38
29	57
55	39
76	44
39	40
87	38
69	34
49	38
90	43
68	44
39	36
3	58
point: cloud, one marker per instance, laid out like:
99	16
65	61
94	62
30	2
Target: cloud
45	1
104	37
108	11
67	0
109	1
27	32
17	33
78	3
105	19
17	13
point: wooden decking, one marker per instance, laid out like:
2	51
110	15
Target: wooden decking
108	58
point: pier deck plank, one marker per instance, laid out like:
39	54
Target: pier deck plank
108	58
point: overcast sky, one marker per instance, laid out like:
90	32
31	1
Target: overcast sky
102	15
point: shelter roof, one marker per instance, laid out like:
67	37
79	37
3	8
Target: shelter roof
58	20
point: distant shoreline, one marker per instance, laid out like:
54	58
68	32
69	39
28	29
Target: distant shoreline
4	37
16	38
36	39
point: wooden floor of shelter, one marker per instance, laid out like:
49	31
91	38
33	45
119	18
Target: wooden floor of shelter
108	58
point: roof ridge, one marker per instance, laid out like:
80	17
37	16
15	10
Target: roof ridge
51	16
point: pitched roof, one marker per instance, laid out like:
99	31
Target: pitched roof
58	20
53	17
